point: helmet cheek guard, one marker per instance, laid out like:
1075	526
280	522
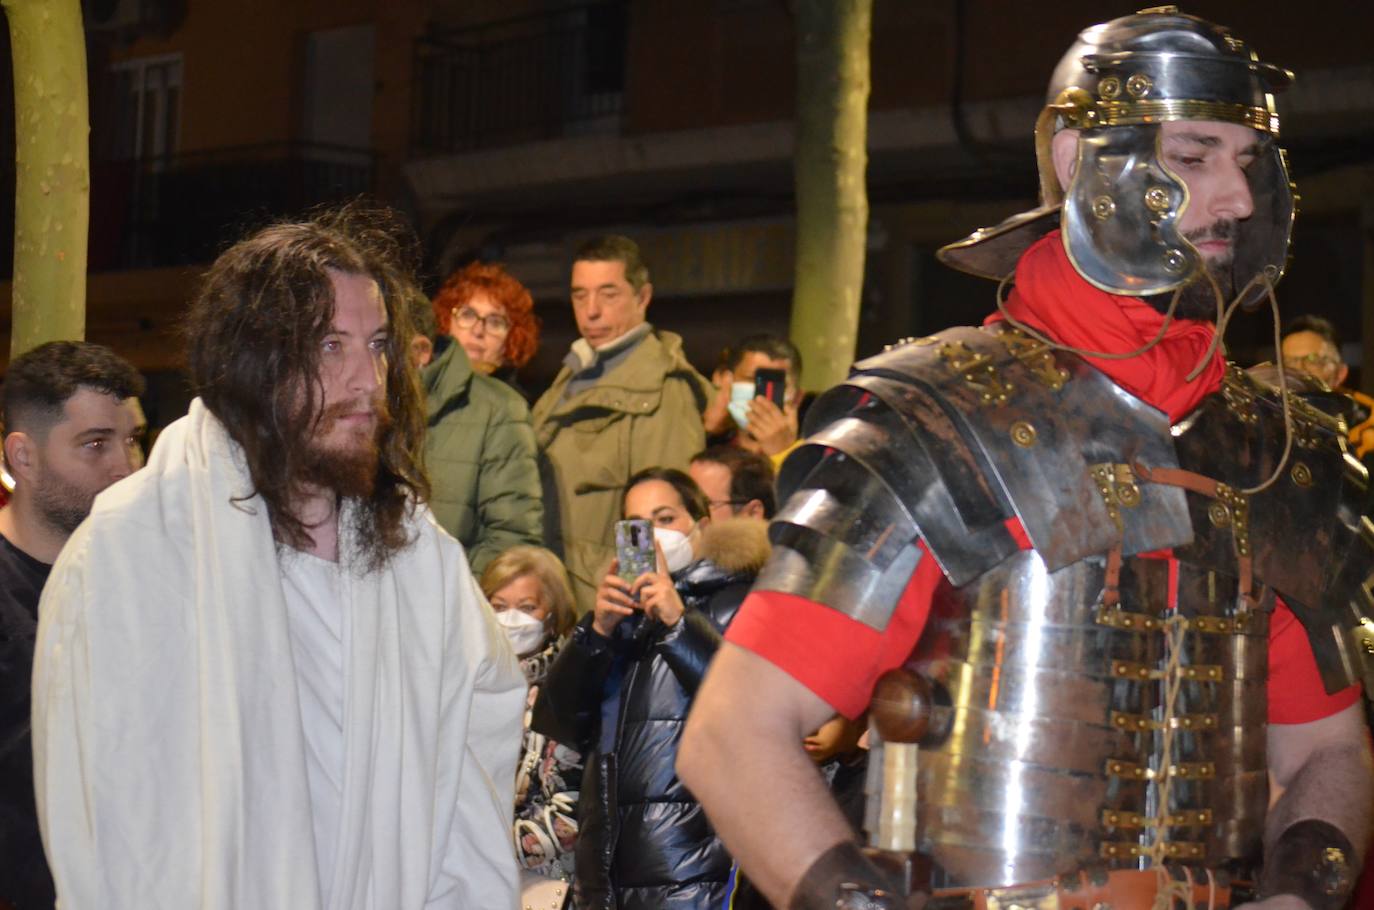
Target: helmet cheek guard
1121	211
1261	246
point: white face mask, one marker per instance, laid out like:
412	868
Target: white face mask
741	393
524	632
677	549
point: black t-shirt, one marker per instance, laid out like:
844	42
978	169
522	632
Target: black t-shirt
24	879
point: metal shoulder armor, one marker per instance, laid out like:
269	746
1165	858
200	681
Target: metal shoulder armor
944	440
1306	535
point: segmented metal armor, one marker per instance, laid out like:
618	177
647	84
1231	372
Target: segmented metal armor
1080	721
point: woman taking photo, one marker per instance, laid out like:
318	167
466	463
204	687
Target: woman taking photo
621	689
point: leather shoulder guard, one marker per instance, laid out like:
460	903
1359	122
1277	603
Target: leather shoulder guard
1307	535
945	439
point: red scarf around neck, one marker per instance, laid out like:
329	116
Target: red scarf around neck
1051	297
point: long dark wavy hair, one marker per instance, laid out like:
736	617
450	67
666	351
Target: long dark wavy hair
254	336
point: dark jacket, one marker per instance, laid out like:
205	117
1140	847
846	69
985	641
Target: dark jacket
480	456
644	841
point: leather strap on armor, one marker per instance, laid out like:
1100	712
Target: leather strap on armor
1232	501
1312	860
843	878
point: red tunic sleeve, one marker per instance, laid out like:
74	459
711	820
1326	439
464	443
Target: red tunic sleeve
833	655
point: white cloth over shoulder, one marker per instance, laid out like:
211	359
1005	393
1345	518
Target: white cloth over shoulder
169	755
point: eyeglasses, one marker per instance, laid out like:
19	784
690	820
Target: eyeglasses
1310	360
466	317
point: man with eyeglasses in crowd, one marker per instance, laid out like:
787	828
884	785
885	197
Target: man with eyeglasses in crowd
736	482
1310	347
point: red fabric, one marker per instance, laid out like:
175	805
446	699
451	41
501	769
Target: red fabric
834	656
1296	693
1052	297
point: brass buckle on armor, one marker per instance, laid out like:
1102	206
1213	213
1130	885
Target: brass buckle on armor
978	371
1116	484
1190	818
1173	850
1125	669
1035	356
1145	622
1178	770
1239	392
1124	619
1137	723
1237	514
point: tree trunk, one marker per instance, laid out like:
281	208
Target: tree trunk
52	166
832	202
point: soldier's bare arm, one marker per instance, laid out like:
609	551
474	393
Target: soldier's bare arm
741	756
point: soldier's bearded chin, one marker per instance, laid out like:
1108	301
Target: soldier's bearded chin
1198	299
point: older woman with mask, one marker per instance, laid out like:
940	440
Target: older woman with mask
528	588
491	314
621	690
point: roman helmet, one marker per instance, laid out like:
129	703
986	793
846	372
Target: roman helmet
1119	215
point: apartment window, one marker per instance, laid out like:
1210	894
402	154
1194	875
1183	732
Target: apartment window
147	101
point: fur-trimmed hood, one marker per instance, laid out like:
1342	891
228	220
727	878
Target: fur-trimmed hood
738	546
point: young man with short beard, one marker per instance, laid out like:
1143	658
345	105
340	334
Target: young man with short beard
73	426
265	678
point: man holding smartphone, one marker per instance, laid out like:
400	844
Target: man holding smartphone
758	398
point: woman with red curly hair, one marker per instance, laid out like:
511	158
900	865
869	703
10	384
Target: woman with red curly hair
491	314
479	449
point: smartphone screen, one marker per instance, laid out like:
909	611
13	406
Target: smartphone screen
771	384
634	547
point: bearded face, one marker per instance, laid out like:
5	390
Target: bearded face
98	441
345	452
1198	299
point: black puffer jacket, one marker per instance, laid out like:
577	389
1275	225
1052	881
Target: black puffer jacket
644	841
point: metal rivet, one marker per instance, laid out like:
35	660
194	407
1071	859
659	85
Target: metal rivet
1109	88
1104	207
1128	495
1157	199
1139	85
1023	434
1175	261
1302	475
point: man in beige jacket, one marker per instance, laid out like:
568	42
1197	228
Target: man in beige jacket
626	399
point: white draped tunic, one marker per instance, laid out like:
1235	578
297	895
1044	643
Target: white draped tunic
318	626
170	743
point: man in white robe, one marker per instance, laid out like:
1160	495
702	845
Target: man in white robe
264	677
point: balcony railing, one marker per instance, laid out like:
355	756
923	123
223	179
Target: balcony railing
521	80
184	209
